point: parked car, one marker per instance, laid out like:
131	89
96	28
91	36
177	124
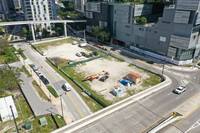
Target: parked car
83	53
33	66
44	80
104	78
82	44
44	54
66	87
70	62
96	45
113	49
95	53
179	90
79	55
74	42
90	54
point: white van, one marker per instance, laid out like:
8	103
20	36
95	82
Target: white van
67	87
83	44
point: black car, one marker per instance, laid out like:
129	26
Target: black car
104	78
113	49
83	54
44	80
95	53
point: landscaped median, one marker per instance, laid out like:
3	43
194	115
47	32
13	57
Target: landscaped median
53	92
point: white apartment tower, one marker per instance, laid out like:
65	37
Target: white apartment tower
39	10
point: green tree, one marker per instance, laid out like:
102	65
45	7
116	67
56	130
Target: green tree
4	46
59	30
2	31
143	21
104	36
45	33
9	78
96	31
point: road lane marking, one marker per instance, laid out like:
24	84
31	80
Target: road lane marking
136	123
169	94
195	125
187	115
75	104
57	81
178	97
170	112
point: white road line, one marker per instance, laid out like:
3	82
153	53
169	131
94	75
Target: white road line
136	123
195	125
169	94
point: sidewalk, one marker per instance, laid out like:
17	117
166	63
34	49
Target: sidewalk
38	107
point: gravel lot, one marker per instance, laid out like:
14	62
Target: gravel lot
67	51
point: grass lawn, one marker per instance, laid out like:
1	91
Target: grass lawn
151	81
9	56
92	104
188	65
53	92
26	71
39	91
59	119
54	43
25	115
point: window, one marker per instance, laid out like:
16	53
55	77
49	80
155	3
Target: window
166	22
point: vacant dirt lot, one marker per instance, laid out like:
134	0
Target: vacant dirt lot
117	71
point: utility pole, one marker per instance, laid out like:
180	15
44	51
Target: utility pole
84	36
163	69
14	119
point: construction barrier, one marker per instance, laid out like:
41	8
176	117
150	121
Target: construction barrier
80	86
36	49
84	61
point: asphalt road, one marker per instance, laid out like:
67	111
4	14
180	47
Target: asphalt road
71	100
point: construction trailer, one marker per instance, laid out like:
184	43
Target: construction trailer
133	77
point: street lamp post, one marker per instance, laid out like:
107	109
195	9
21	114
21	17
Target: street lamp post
14	119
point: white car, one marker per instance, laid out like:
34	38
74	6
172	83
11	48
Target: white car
67	87
82	44
179	90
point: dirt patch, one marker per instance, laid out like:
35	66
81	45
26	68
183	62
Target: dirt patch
117	71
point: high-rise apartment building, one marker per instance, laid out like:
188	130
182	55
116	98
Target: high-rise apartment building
79	5
171	34
17	4
4	9
39	10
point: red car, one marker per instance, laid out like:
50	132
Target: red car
96	45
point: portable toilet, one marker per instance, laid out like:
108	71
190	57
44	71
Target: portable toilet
27	125
43	121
